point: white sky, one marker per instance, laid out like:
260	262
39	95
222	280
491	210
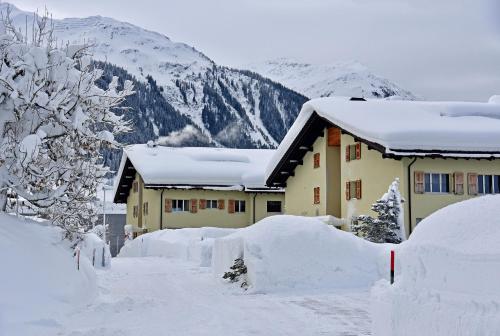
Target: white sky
439	49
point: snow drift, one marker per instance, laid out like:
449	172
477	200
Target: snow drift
448	282
190	244
40	280
284	252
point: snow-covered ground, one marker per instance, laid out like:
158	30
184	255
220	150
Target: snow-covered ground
163	296
39	280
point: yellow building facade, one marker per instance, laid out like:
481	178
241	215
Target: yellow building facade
329	168
187	203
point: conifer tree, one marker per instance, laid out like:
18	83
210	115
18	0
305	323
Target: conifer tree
388	226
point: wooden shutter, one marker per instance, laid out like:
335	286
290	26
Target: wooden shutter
472	182
168	205
316	160
358	189
358	151
203	204
458	183
221	204
348	153
230	206
348	191
333	136
194	205
316	198
419	182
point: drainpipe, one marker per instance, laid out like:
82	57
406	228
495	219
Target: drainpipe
161	209
409	193
253	208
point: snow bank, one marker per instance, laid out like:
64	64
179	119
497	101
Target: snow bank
190	244
95	250
448	281
283	252
39	278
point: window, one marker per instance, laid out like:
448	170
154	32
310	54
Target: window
437	183
135	186
353	190
353	152
180	205
239	206
316	160
145	208
274	206
316	198
135	212
211	204
488	184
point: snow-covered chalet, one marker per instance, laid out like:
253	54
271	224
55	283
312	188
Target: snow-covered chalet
166	187
341	155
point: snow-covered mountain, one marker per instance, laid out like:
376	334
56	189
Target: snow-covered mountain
229	107
183	94
322	80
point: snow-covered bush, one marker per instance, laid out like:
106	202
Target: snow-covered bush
283	252
388	227
448	278
54	122
237	271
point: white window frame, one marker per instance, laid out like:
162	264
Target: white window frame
492	185
212	204
440	183
238	205
179	205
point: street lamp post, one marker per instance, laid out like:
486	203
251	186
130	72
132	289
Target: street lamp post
104	188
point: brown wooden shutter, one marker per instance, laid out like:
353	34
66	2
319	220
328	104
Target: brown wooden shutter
458	183
316	160
221	204
316	196
334	136
472	182
348	191
358	189
348	153
203	204
194	205
419	182
168	205
230	206
358	151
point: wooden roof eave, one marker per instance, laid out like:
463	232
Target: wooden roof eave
125	182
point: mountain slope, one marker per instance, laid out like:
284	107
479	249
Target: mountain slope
343	79
228	106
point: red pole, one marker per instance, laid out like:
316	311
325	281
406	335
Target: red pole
392	267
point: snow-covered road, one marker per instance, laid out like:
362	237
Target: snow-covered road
158	296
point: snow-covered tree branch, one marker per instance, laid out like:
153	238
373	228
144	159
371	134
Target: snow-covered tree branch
54	121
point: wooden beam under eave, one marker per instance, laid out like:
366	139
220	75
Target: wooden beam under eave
298	162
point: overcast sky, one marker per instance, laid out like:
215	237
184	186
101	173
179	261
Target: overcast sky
439	49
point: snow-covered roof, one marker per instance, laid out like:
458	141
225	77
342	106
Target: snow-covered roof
206	167
407	128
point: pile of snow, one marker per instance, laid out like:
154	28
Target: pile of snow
448	281
190	244
284	252
40	281
94	248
